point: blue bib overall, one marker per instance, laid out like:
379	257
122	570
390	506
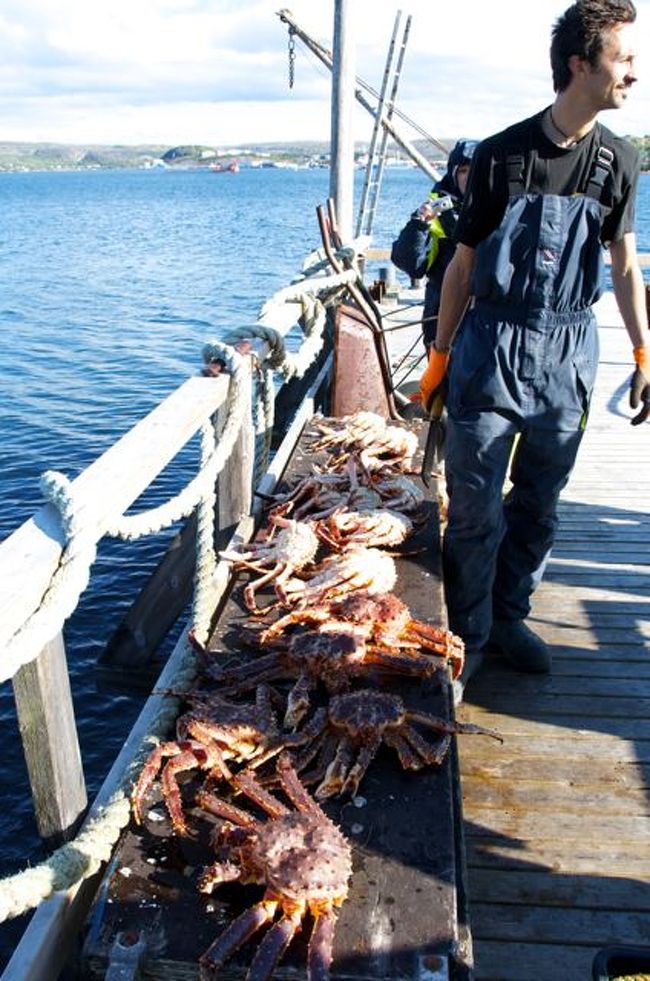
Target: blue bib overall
524	362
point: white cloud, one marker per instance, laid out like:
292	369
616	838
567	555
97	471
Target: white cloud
172	71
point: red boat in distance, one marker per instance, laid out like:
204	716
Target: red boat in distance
230	168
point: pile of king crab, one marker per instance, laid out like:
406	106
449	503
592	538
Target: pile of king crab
311	703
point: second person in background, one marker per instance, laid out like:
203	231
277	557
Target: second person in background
425	245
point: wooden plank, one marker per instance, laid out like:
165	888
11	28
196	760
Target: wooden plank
543	888
568	727
532	962
630	663
585	857
535	791
598	927
545	770
534	706
548	688
607	754
569	827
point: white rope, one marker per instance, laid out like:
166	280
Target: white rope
206	560
68	582
81	858
134	526
72	575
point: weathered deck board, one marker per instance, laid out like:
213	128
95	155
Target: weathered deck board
557	821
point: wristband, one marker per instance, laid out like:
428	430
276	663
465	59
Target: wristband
641	357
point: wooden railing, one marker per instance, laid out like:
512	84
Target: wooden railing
30	556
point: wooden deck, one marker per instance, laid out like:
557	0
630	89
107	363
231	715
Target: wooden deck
556	820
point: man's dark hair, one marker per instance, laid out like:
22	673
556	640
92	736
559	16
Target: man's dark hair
582	30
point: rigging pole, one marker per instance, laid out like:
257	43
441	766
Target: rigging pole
342	134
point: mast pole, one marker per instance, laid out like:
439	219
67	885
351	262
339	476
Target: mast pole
342	136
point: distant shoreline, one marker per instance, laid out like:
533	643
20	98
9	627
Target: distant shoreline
28	157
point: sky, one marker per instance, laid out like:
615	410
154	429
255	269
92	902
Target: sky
215	72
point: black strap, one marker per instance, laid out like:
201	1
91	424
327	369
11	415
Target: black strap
601	168
515	172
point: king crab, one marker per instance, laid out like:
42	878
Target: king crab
367	434
348	733
382	619
275	556
210	733
318	495
374	528
354	568
334	658
397	491
298	855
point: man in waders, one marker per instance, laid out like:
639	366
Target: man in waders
544	197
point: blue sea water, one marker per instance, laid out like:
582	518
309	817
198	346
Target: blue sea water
110	283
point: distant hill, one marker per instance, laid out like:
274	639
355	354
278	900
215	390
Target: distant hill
63	156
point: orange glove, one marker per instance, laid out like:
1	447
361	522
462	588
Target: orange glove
640	385
431	382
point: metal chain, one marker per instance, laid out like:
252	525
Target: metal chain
292	57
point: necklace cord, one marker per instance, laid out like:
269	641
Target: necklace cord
555	125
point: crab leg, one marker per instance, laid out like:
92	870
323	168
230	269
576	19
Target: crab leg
463	728
148	776
408	758
221	808
255	671
239	931
252	587
356	774
250	785
414	663
275	943
295	616
321	943
193	755
213	875
432	753
315	728
327	747
294	789
337	772
298	701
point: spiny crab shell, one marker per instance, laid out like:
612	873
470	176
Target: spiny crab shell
302	857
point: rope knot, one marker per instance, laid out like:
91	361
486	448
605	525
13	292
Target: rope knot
57	490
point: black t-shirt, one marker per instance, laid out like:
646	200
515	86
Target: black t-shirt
549	170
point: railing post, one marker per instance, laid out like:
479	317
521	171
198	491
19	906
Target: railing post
50	742
235	482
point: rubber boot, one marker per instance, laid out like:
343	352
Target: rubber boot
514	641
